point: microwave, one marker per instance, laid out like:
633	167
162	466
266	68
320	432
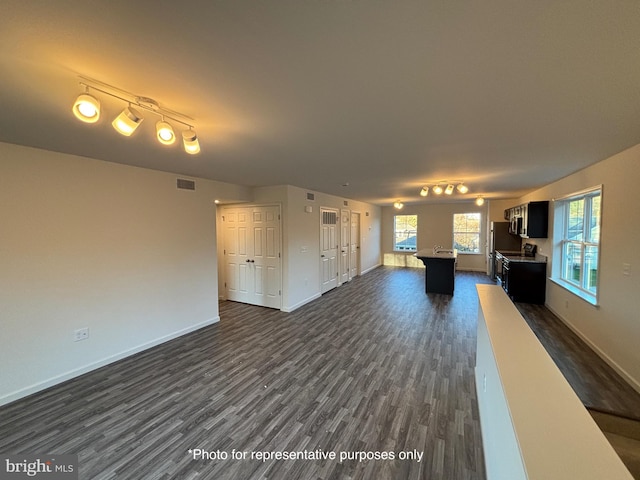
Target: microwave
515	226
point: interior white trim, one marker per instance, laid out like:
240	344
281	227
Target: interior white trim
371	268
301	303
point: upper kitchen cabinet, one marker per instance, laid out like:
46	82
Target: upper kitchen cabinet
530	220
535	219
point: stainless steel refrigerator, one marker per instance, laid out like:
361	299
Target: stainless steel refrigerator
500	239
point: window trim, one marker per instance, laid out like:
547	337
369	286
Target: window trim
453	232
404	250
560	241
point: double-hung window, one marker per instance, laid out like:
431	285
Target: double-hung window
466	232
405	233
577	240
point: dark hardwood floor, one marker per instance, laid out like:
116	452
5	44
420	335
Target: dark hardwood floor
594	381
373	366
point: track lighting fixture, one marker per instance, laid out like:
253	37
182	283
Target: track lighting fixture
479	200
127	122
398	205
165	133
87	109
439	188
190	141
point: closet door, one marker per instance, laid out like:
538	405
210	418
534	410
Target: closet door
328	249
236	255
345	234
252	255
265	265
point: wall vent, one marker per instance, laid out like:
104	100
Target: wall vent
186	184
311	196
346	203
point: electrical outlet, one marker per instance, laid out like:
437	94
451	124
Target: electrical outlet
81	334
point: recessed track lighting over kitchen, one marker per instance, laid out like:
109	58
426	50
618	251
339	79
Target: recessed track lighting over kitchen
87	108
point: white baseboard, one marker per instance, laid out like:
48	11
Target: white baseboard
635	384
370	269
291	308
63	377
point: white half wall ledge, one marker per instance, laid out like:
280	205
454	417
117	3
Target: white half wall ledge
71	374
534	426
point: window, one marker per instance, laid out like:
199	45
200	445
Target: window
405	228
466	232
577	241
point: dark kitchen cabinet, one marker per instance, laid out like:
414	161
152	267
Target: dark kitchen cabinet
525	281
535	220
530	220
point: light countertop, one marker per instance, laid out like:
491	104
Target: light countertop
428	253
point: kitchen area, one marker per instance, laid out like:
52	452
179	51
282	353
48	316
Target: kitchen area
514	263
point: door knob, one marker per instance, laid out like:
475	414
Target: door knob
322	256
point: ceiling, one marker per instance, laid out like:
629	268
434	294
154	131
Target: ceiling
382	95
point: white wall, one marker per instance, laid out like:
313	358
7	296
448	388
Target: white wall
612	328
301	238
86	243
435	227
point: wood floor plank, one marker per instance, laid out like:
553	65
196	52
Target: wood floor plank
372	366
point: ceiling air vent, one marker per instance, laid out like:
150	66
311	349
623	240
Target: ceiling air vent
310	196
186	184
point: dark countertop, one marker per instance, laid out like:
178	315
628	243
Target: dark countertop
515	257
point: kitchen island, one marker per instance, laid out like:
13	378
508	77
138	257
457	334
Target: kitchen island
440	270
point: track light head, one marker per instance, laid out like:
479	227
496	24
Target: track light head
190	142
449	190
87	108
424	192
437	189
479	200
127	122
165	133
462	188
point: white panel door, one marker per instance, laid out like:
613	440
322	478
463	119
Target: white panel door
345	233
252	255
354	247
328	249
266	257
235	250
